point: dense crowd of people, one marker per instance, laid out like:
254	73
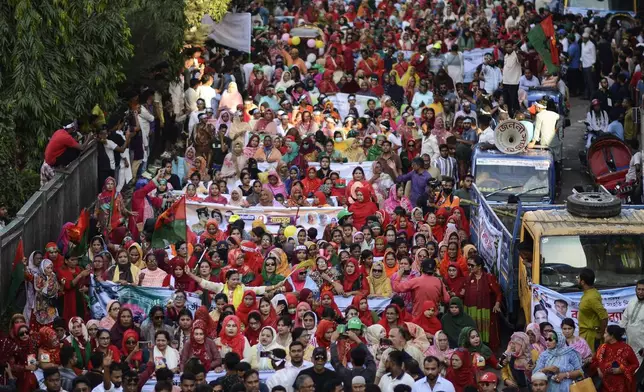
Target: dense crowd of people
265	132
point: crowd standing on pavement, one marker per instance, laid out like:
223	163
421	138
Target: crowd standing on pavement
404	232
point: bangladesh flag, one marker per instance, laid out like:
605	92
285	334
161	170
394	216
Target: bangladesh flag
542	39
78	234
16	288
171	225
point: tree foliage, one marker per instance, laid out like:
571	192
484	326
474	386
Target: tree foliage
59	58
196	9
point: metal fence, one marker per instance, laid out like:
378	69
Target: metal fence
40	219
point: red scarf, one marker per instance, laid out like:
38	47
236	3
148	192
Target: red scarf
429	325
333	305
199	350
365	316
463	376
237	342
130	333
243	310
251	334
323	326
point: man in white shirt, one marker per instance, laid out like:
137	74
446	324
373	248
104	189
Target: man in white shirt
112	376
210	96
588	59
487	136
429	144
492	76
282	376
511	76
395	374
422	98
433	382
528	80
191	95
145	121
296	352
633	320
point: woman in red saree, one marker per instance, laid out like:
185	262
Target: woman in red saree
17	347
75	284
363	207
427	319
391	318
483	301
110	209
248	305
616	362
212	232
361	303
268	313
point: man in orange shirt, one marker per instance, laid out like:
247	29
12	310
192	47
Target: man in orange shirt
445	197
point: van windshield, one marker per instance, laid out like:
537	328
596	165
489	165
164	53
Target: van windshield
613	5
515	175
616	260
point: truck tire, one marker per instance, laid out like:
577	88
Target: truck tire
593	205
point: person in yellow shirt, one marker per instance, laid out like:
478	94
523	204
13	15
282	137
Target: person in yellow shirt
592	317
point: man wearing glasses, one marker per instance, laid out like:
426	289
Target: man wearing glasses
319	373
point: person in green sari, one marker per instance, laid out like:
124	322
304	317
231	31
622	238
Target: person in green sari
269	274
375	151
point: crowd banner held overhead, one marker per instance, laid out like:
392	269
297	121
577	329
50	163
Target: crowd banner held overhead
234	30
318	217
341	102
139	299
472	59
553	307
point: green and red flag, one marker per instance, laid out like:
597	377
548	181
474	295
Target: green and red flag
171	225
542	38
17	274
78	234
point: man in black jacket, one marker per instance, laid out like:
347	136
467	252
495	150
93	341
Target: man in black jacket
361	359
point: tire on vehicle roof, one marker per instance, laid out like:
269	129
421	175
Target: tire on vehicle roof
593	205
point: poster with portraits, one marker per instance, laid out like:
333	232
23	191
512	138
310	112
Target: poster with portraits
198	213
553	307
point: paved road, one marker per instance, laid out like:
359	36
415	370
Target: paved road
573	143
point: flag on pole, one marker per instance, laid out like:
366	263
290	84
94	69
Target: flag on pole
78	234
542	38
171	225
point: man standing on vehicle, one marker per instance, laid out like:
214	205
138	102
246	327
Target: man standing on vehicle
593	317
511	76
546	133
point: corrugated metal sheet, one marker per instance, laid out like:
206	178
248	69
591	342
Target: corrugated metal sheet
561	222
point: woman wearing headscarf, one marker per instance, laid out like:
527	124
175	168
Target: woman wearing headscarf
419	337
113	308
537	342
391	317
267	342
311	182
397	198
78	338
460	371
110	211
367	316
440	348
283	266
517	370
47	287
297	197
234	162
269	271
231	338
560	362
482	355
124	322
48	348
363	207
354	280
354	151
266	124
181	279
324	275
381	183
231	98
248	305
123	272
427	319
483	300
379	283
455	281
294	158
455	320
202	347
